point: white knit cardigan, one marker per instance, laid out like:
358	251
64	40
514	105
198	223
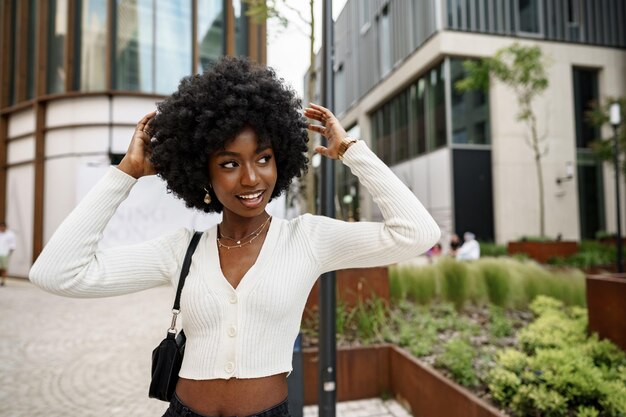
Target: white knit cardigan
248	331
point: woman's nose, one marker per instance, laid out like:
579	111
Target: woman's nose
249	176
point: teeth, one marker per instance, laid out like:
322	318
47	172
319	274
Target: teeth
251	196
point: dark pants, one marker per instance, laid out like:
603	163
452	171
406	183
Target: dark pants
178	409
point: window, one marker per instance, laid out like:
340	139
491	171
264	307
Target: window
152	44
470	110
134	45
419	116
210	32
400	127
585	93
340	90
241	27
573	20
57	31
437	108
91	45
529	19
384	42
31	64
173	40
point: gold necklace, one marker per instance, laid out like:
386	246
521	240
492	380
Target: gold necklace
254	235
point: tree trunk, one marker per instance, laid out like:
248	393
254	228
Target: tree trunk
535	144
309	179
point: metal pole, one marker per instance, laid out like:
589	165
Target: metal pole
618	237
327	346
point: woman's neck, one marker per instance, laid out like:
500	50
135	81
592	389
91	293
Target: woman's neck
238	227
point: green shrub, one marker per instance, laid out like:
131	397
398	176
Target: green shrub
490	249
457	358
560	371
499	323
584	411
454	286
421	285
497	282
396	283
504	281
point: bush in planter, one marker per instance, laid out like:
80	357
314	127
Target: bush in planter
458	358
454	281
490	249
560	370
590	254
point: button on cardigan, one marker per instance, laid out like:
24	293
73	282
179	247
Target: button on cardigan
248	331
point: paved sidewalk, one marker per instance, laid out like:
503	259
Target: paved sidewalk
91	357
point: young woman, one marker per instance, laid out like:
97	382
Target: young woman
229	141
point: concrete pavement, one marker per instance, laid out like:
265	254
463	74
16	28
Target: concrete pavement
91	357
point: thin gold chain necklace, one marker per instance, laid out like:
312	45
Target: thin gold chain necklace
254	235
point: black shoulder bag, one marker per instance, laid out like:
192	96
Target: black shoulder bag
168	356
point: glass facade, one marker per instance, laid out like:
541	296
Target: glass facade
470	111
142	46
211	37
57	32
241	27
90	45
414	121
173	44
32	50
134	45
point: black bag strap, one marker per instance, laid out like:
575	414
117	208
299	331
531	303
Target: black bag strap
183	274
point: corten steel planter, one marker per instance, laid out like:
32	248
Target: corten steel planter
606	307
353	285
362	372
543	251
367	372
427	393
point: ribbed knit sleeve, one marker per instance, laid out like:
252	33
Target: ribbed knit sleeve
408	229
71	264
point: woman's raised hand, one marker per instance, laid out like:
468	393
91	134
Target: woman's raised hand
330	128
136	162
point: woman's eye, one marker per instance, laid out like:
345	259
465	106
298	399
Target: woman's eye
265	159
228	164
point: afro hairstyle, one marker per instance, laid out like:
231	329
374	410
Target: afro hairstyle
210	109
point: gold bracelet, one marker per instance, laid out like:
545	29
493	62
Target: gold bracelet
344	145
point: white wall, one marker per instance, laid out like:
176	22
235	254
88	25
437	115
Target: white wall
20	215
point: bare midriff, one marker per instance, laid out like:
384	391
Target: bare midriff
232	397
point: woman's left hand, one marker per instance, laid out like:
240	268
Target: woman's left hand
330	129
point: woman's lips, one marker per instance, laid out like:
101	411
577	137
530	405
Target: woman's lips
251	202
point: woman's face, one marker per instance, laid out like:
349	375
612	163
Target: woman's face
243	174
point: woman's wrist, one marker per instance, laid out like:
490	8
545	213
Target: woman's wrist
344	146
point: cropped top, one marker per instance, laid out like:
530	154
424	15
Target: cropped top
247	331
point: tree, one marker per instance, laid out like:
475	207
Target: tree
523	69
598	117
262	10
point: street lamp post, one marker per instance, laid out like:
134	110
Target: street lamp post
615	121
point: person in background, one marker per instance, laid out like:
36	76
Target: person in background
433	252
455	244
7	246
470	250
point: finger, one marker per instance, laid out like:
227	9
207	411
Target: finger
327	113
318	129
313	114
322	150
144	120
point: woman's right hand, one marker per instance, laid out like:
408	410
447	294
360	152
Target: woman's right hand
136	162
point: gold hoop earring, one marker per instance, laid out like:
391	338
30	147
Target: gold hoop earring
207	197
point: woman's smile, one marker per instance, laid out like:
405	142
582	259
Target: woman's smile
243	175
